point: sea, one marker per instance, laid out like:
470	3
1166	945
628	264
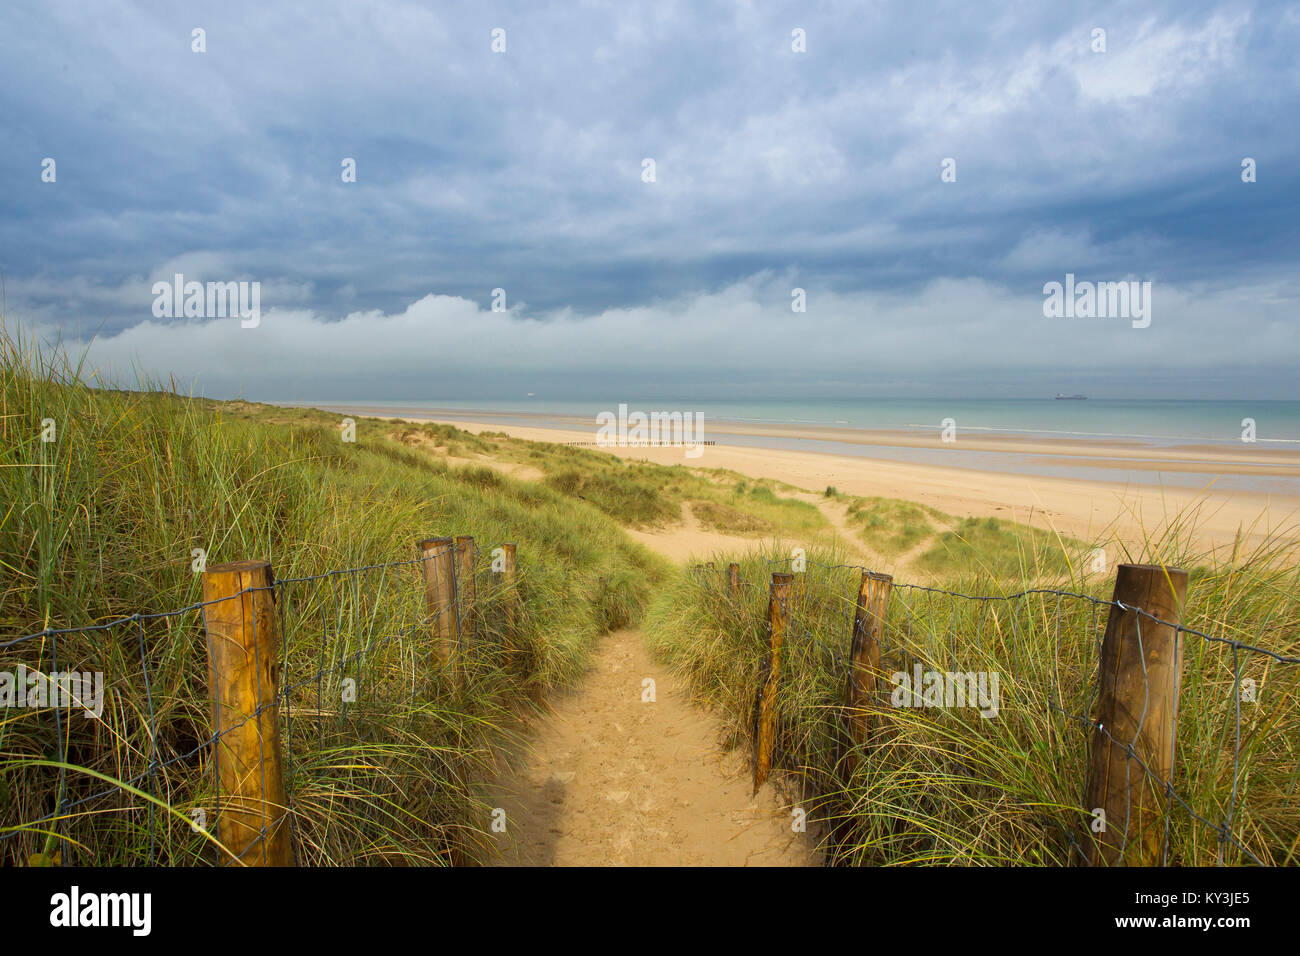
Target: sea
1150	424
1154	421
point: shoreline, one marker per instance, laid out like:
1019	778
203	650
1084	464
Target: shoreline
1279	452
1260	459
1080	506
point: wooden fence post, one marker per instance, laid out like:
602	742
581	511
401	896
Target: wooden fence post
243	636
733	580
467	590
440	601
506	579
1139	673
864	652
778	605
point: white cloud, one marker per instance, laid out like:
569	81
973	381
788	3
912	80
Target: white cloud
744	330
1143	60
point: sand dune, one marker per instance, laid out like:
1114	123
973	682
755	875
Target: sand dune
1080	507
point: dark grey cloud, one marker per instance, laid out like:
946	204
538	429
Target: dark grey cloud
774	169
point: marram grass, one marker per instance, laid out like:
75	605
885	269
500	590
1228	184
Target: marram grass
102	522
948	786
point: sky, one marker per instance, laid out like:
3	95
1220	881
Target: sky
921	171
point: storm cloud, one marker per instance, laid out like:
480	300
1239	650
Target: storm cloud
775	170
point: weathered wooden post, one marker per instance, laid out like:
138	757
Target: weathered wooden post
864	654
243	636
505	579
466	589
440	601
778	606
1138	676
733	580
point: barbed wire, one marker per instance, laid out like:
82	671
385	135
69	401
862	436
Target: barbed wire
805	633
805	624
335	661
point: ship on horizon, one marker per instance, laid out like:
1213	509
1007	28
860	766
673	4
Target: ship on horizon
1070	398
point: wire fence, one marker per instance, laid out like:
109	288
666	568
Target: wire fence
127	772
1031	661
110	747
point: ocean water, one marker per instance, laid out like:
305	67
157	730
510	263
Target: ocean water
1153	424
1156	422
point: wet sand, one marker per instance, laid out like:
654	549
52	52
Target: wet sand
1082	504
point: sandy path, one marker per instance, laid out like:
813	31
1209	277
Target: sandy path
689	541
842	534
614	780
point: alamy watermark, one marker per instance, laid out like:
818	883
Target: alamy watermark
947	689
213	300
1098	300
62	689
637	429
75	908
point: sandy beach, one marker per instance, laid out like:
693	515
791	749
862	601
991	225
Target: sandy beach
1261	458
1086	507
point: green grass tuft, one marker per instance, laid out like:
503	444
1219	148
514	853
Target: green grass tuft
101	523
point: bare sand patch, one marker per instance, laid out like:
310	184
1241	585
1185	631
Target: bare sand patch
511	469
613	780
691	542
1078	507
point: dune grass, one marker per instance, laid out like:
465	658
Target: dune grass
949	786
752	506
1000	549
643	495
891	526
625	491
104	521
